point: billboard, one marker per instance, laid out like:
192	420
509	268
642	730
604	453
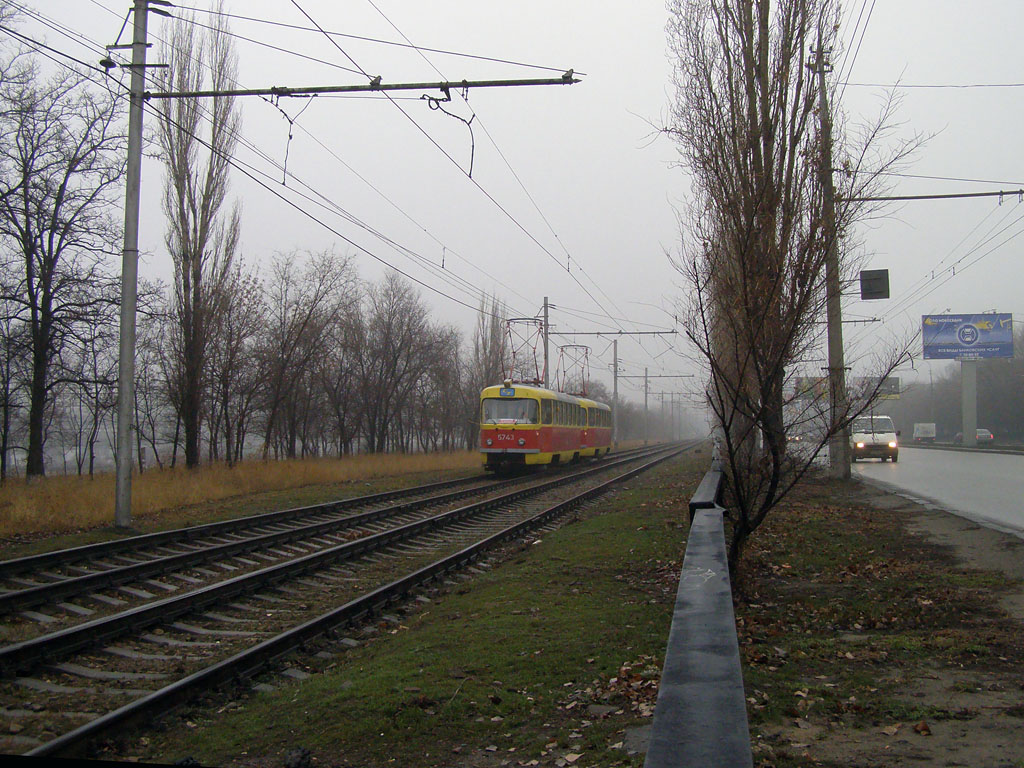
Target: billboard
967	337
813	387
888	388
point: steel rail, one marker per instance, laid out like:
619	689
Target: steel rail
102	549
25	654
76	585
61	557
247	663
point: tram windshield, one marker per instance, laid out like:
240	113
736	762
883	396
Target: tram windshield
509	410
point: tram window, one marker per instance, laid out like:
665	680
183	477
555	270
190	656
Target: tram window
545	410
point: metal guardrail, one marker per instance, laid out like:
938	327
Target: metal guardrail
1007	450
700	720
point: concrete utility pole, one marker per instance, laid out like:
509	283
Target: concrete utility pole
839	444
130	269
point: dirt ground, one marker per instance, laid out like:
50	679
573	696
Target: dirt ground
991	731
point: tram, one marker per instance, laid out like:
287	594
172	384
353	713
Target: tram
523	425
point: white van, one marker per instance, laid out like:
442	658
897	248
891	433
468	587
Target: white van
874	436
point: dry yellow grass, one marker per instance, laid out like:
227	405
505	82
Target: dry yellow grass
61	504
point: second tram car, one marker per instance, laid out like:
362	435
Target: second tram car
523	425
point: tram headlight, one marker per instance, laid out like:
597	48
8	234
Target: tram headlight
521	441
489	441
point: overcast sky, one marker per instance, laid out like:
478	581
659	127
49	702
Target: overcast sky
576	175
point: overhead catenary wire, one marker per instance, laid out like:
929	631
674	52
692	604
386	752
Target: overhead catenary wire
475	182
327	204
363	38
446	277
251	174
365	74
515	175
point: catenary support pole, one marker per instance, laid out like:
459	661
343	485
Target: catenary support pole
615	393
546	377
129	273
646	419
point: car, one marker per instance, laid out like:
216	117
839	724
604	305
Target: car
874	437
982	437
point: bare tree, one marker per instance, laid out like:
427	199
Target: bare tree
755	240
338	379
396	345
60	163
235	374
12	374
303	304
201	238
487	361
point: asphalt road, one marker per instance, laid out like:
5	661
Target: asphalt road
987	488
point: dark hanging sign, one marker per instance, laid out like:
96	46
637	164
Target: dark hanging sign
874	284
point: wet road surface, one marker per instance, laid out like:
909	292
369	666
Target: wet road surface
987	488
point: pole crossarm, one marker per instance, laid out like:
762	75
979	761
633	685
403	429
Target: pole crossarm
951	196
660	376
620	333
374	85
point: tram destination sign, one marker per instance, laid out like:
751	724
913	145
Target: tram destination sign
967	337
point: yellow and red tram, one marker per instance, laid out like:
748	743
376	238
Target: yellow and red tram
524	425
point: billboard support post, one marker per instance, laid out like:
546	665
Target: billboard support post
969	400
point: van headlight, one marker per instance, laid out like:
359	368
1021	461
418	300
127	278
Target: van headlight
892	444
860	445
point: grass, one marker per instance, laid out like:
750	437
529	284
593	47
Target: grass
843	610
503	668
170	497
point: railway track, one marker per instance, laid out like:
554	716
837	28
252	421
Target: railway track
66	687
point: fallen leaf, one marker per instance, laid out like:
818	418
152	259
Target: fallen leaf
923	729
572	757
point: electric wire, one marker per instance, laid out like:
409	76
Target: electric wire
363	38
252	174
327	204
431	139
949	86
856	53
928	287
508	165
447	277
